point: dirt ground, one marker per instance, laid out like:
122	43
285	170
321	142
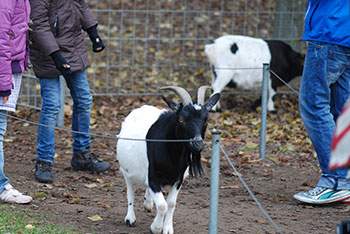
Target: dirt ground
76	196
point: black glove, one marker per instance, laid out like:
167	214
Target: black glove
59	62
95	38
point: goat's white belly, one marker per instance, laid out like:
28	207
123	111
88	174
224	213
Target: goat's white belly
133	162
248	79
132	154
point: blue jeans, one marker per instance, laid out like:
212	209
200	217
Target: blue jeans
324	89
79	88
3	123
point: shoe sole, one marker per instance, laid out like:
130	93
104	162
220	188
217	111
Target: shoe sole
44	181
325	201
17	202
77	168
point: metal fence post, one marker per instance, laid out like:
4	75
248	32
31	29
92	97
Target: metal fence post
214	183
60	117
264	95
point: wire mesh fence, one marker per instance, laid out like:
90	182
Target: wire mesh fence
153	43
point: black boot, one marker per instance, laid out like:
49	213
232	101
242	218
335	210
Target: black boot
43	172
87	160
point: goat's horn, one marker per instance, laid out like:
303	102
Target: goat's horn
201	94
181	92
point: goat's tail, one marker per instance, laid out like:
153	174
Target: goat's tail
209	50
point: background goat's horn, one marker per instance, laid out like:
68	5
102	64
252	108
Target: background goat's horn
201	94
181	92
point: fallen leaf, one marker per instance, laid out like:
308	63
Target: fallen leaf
205	160
251	146
228	122
260	221
39	195
104	205
232	139
29	226
90	186
95	218
229	187
100	180
254	161
234	174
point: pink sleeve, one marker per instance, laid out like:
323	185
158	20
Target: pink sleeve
6	12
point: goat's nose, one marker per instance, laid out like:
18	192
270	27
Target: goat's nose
197	143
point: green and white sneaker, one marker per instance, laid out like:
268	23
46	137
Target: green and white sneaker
320	195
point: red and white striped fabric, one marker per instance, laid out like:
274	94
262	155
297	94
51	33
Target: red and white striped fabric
340	154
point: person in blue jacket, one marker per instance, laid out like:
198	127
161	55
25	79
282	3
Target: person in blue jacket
324	89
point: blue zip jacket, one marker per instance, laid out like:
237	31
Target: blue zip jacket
328	21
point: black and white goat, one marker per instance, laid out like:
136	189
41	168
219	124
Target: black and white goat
232	56
158	164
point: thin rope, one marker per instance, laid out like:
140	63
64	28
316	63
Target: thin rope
278	77
250	192
102	136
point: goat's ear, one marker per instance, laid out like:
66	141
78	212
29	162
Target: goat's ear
212	101
174	106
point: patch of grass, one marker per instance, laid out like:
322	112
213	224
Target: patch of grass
13	220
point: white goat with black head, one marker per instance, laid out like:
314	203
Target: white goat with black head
156	164
234	59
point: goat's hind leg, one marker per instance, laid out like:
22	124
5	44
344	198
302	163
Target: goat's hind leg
148	202
223	78
130	218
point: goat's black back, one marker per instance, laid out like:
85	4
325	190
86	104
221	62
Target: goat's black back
285	62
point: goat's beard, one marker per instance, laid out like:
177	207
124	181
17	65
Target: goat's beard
195	165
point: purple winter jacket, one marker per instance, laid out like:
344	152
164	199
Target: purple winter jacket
14	18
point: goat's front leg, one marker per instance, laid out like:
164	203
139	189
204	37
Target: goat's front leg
130	217
171	200
148	202
162	207
223	78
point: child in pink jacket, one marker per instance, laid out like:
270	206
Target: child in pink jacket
14	19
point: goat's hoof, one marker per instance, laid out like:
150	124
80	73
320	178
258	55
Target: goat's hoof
148	209
168	230
150	231
273	112
129	223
